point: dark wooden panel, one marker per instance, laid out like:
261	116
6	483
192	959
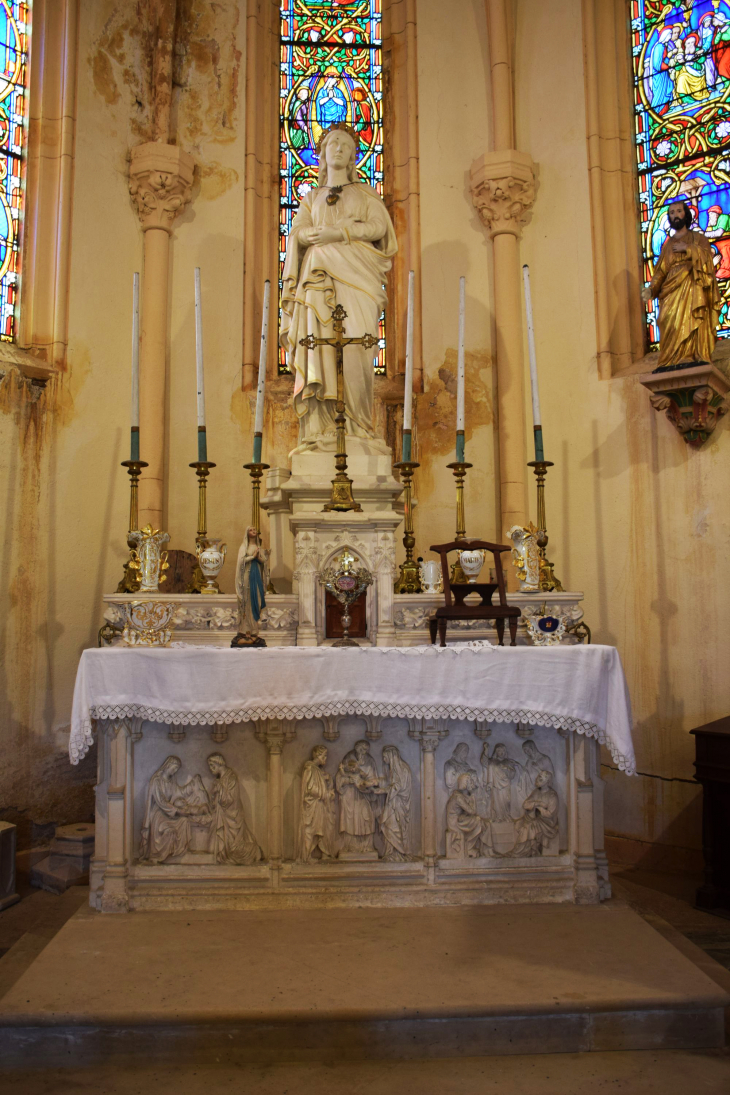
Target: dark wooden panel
333	617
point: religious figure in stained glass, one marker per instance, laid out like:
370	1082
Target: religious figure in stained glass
331	74
14	34
339	251
681	59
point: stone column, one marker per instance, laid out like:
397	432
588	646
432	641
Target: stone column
385	577
429	732
160	182
275	733
305	576
114	896
503	191
585	886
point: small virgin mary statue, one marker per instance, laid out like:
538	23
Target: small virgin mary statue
339	251
251	582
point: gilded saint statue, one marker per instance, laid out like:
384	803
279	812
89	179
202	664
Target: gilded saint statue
339	251
689	299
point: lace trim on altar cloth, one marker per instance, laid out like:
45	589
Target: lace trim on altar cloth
82	735
315	651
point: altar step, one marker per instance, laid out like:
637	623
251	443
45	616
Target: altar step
356	984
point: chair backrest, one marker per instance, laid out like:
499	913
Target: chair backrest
471	545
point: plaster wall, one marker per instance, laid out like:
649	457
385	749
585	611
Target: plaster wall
636	519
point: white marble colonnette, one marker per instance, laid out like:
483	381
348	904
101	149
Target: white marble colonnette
398	812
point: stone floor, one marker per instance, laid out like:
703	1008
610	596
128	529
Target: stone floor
664	901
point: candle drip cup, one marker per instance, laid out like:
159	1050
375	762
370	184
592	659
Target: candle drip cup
409	579
548	582
131	581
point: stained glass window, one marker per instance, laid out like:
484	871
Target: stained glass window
331	71
14	35
681	55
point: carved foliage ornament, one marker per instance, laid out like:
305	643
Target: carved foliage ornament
694	399
160	183
503	191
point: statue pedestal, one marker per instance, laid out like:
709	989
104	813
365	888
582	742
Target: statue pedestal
305	538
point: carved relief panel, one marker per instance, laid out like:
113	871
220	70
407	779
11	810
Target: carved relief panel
504	796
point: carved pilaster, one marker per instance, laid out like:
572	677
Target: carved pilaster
275	733
160	183
503	191
429	733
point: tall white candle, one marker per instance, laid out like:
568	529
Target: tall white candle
199	352
460	358
408	388
259	420
135	351
531	348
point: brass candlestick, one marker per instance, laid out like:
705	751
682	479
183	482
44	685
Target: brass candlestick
256	471
341	498
202	470
459	468
131	580
548	581
409	580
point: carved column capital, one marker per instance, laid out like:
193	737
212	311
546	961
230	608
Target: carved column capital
160	183
503	191
275	733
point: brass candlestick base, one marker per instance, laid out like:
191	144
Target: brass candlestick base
130	583
202	470
409	579
459	469
548	582
341	498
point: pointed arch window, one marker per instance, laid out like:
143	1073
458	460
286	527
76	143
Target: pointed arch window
331	70
14	40
681	68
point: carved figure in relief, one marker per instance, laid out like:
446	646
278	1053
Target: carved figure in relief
357	782
169	808
539	823
339	251
689	298
395	820
457	765
251	582
463	824
500	771
535	762
318	815
232	840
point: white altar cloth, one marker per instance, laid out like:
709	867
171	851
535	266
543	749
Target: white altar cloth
577	688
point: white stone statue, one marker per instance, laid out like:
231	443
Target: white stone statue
232	840
463	824
535	762
339	251
166	831
500	771
395	820
357	783
456	765
539	824
318	815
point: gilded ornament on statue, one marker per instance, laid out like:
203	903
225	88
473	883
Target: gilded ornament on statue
685	283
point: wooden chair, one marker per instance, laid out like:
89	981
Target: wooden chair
455	609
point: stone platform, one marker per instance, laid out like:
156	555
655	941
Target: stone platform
356	984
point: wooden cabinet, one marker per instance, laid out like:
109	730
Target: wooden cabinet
712	766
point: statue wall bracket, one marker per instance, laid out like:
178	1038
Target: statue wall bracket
693	399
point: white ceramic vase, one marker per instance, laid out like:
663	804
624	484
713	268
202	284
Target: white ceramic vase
431	577
211	559
471	563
